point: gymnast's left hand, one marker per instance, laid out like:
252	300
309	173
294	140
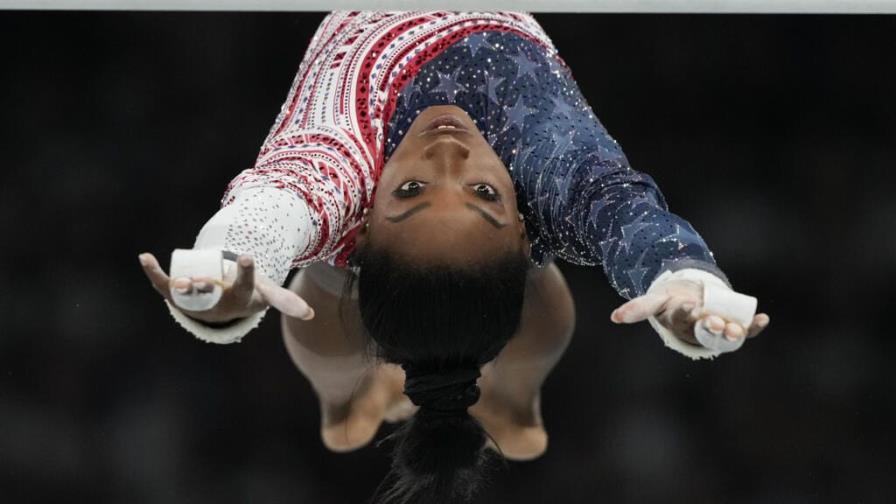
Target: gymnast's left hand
678	306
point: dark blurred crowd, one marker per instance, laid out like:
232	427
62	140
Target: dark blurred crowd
772	135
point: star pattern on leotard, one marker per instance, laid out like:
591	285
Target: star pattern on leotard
491	86
562	142
525	66
476	42
413	89
561	107
448	84
517	114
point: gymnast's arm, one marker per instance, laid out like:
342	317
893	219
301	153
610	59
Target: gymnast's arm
624	224
297	205
590	207
292	209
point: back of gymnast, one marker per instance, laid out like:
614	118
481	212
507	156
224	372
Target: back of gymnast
424	171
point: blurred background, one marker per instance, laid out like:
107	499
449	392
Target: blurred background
772	135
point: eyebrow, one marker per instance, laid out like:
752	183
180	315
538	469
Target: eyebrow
487	216
411	211
407	213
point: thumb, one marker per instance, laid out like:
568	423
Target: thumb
639	308
284	300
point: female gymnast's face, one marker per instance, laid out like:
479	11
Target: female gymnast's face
445	195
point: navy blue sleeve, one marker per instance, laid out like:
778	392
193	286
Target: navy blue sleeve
586	204
581	200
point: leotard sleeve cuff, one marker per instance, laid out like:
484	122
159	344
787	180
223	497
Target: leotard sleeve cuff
232	332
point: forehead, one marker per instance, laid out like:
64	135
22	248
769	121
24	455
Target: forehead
448	232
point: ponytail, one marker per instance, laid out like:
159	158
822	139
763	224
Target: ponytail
439	453
441	324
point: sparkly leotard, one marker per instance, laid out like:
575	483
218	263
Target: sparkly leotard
365	78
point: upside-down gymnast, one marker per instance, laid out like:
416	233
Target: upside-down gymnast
423	173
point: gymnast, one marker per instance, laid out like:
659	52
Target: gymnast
423	174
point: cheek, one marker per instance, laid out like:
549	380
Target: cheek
511	237
380	197
379	232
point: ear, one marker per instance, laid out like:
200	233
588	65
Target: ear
524	235
364	230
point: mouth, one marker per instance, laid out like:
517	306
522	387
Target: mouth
444	124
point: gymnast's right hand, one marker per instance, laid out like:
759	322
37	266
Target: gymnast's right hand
249	292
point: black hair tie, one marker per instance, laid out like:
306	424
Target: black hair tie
447	392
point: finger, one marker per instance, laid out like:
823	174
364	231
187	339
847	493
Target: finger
182	284
716	341
286	301
733	331
714	323
161	281
154	272
760	321
244	284
639	308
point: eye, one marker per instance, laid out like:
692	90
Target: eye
485	191
408	189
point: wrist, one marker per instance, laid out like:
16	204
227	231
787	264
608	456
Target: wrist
690	263
215	324
699	276
231	333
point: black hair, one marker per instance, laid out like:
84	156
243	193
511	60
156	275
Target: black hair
441	323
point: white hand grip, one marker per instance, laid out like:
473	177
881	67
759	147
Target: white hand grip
202	262
731	306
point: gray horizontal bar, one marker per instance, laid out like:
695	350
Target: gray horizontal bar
629	6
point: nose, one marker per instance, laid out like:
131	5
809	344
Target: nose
446	150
